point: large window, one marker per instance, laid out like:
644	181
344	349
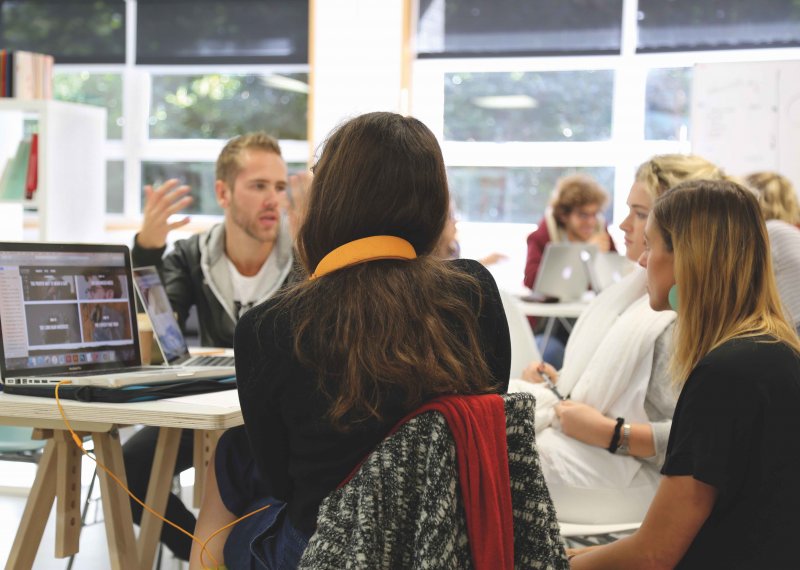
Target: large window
177	78
72	31
233	31
523	93
545	106
681	25
220	106
518	195
510	27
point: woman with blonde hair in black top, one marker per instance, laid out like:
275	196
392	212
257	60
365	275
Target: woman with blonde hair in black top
377	326
729	495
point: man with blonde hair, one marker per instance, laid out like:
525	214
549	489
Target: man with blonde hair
235	264
223	271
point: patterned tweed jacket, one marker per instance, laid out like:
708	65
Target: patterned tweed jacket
403	508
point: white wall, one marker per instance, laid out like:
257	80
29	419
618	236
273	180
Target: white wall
356	60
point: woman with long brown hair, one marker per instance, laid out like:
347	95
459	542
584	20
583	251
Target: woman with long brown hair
376	327
729	494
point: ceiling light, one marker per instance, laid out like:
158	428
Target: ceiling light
506	102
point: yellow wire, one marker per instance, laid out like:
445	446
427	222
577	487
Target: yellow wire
203	549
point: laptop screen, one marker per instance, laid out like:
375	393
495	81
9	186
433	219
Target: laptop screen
155	301
65	308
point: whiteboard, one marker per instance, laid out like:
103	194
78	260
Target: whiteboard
746	117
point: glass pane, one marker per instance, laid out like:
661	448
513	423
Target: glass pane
221	106
492	194
115	187
510	27
674	25
100	89
78	31
546	106
234	31
667	104
200	176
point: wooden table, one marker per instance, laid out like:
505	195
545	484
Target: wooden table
59	472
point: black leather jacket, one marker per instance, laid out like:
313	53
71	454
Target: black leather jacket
195	273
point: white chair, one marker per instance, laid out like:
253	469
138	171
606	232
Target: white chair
523	344
16	444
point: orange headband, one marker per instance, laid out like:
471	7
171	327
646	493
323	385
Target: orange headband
362	250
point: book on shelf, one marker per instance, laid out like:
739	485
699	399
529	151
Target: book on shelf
14	180
26	75
32	174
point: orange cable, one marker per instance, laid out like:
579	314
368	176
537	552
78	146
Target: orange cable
116	479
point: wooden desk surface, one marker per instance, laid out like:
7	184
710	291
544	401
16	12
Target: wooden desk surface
213	411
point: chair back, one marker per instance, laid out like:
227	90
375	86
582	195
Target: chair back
523	344
403	508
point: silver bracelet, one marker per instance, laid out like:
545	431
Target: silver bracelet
625	440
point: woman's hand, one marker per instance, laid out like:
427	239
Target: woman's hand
585	423
533	372
602	240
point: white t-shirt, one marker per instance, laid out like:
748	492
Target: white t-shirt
246	291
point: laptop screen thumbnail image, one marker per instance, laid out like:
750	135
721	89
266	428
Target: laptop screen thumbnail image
65	308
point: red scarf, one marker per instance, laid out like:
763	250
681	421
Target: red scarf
478	425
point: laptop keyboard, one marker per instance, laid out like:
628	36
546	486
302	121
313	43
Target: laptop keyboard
212	361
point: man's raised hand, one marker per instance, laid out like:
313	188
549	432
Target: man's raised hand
159	204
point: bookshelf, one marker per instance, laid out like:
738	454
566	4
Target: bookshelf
70	201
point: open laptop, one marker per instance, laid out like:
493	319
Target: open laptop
67	313
562	273
607	268
168	334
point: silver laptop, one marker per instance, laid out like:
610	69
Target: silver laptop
562	274
607	268
67	313
168	334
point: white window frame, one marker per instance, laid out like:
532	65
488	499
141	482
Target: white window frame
136	147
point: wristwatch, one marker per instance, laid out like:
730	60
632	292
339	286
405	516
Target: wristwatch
625	440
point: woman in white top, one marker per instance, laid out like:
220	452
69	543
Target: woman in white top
602	448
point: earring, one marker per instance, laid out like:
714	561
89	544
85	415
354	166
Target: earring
672	298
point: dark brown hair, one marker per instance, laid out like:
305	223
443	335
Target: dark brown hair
404	328
576	191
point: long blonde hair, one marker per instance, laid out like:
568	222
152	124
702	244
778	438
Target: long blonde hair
723	270
664	171
776	195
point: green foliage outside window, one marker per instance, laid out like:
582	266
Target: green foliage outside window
221	106
100	89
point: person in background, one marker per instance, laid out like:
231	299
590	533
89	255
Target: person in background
574	215
778	202
728	497
379	326
777	197
223	271
615	372
449	248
